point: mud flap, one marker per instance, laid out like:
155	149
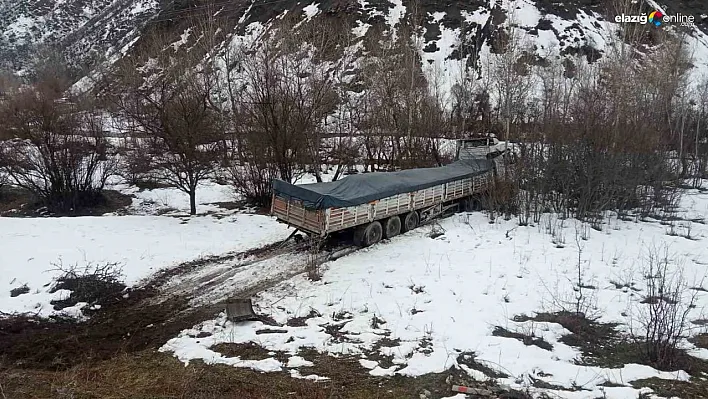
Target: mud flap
241	310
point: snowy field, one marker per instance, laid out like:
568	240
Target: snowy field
436	298
31	249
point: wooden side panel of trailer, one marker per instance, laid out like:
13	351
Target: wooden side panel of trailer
294	213
393	205
342	218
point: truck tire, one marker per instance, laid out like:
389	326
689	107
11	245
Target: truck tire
368	234
410	221
392	227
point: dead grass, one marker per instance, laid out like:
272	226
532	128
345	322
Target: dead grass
595	340
246	351
15	201
468	359
15	292
694	389
601	345
150	374
60	343
527	339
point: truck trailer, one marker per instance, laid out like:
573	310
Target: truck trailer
384	204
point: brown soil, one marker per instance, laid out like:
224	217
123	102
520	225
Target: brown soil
18	202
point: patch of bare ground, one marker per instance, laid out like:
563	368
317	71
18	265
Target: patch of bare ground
468	359
302	321
696	388
248	351
19	202
14	199
527	339
595	340
376	352
120	328
602	345
149	374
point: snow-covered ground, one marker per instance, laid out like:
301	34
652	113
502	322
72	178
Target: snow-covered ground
31	249
439	297
172	201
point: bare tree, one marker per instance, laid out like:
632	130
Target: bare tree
511	76
662	319
403	110
467	92
280	91
168	106
286	90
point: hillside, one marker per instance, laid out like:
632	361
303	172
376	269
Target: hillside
92	31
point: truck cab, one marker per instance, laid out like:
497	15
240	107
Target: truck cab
475	148
487	147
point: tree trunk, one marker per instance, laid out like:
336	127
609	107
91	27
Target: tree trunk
193	201
682	157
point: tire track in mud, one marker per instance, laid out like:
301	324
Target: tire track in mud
209	283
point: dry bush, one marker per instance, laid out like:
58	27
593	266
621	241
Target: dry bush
662	319
57	149
253	181
94	284
599	142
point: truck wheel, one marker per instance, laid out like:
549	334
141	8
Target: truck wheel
411	221
368	234
392	227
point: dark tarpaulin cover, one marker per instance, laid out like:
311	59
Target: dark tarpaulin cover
366	187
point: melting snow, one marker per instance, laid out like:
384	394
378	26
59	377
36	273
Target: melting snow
141	244
311	10
444	296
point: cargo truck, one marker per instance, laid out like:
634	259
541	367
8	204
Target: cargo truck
384	204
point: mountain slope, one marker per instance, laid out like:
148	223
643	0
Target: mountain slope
82	29
91	30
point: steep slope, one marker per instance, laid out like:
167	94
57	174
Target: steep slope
90	30
83	29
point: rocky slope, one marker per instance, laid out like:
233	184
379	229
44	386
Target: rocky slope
89	31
